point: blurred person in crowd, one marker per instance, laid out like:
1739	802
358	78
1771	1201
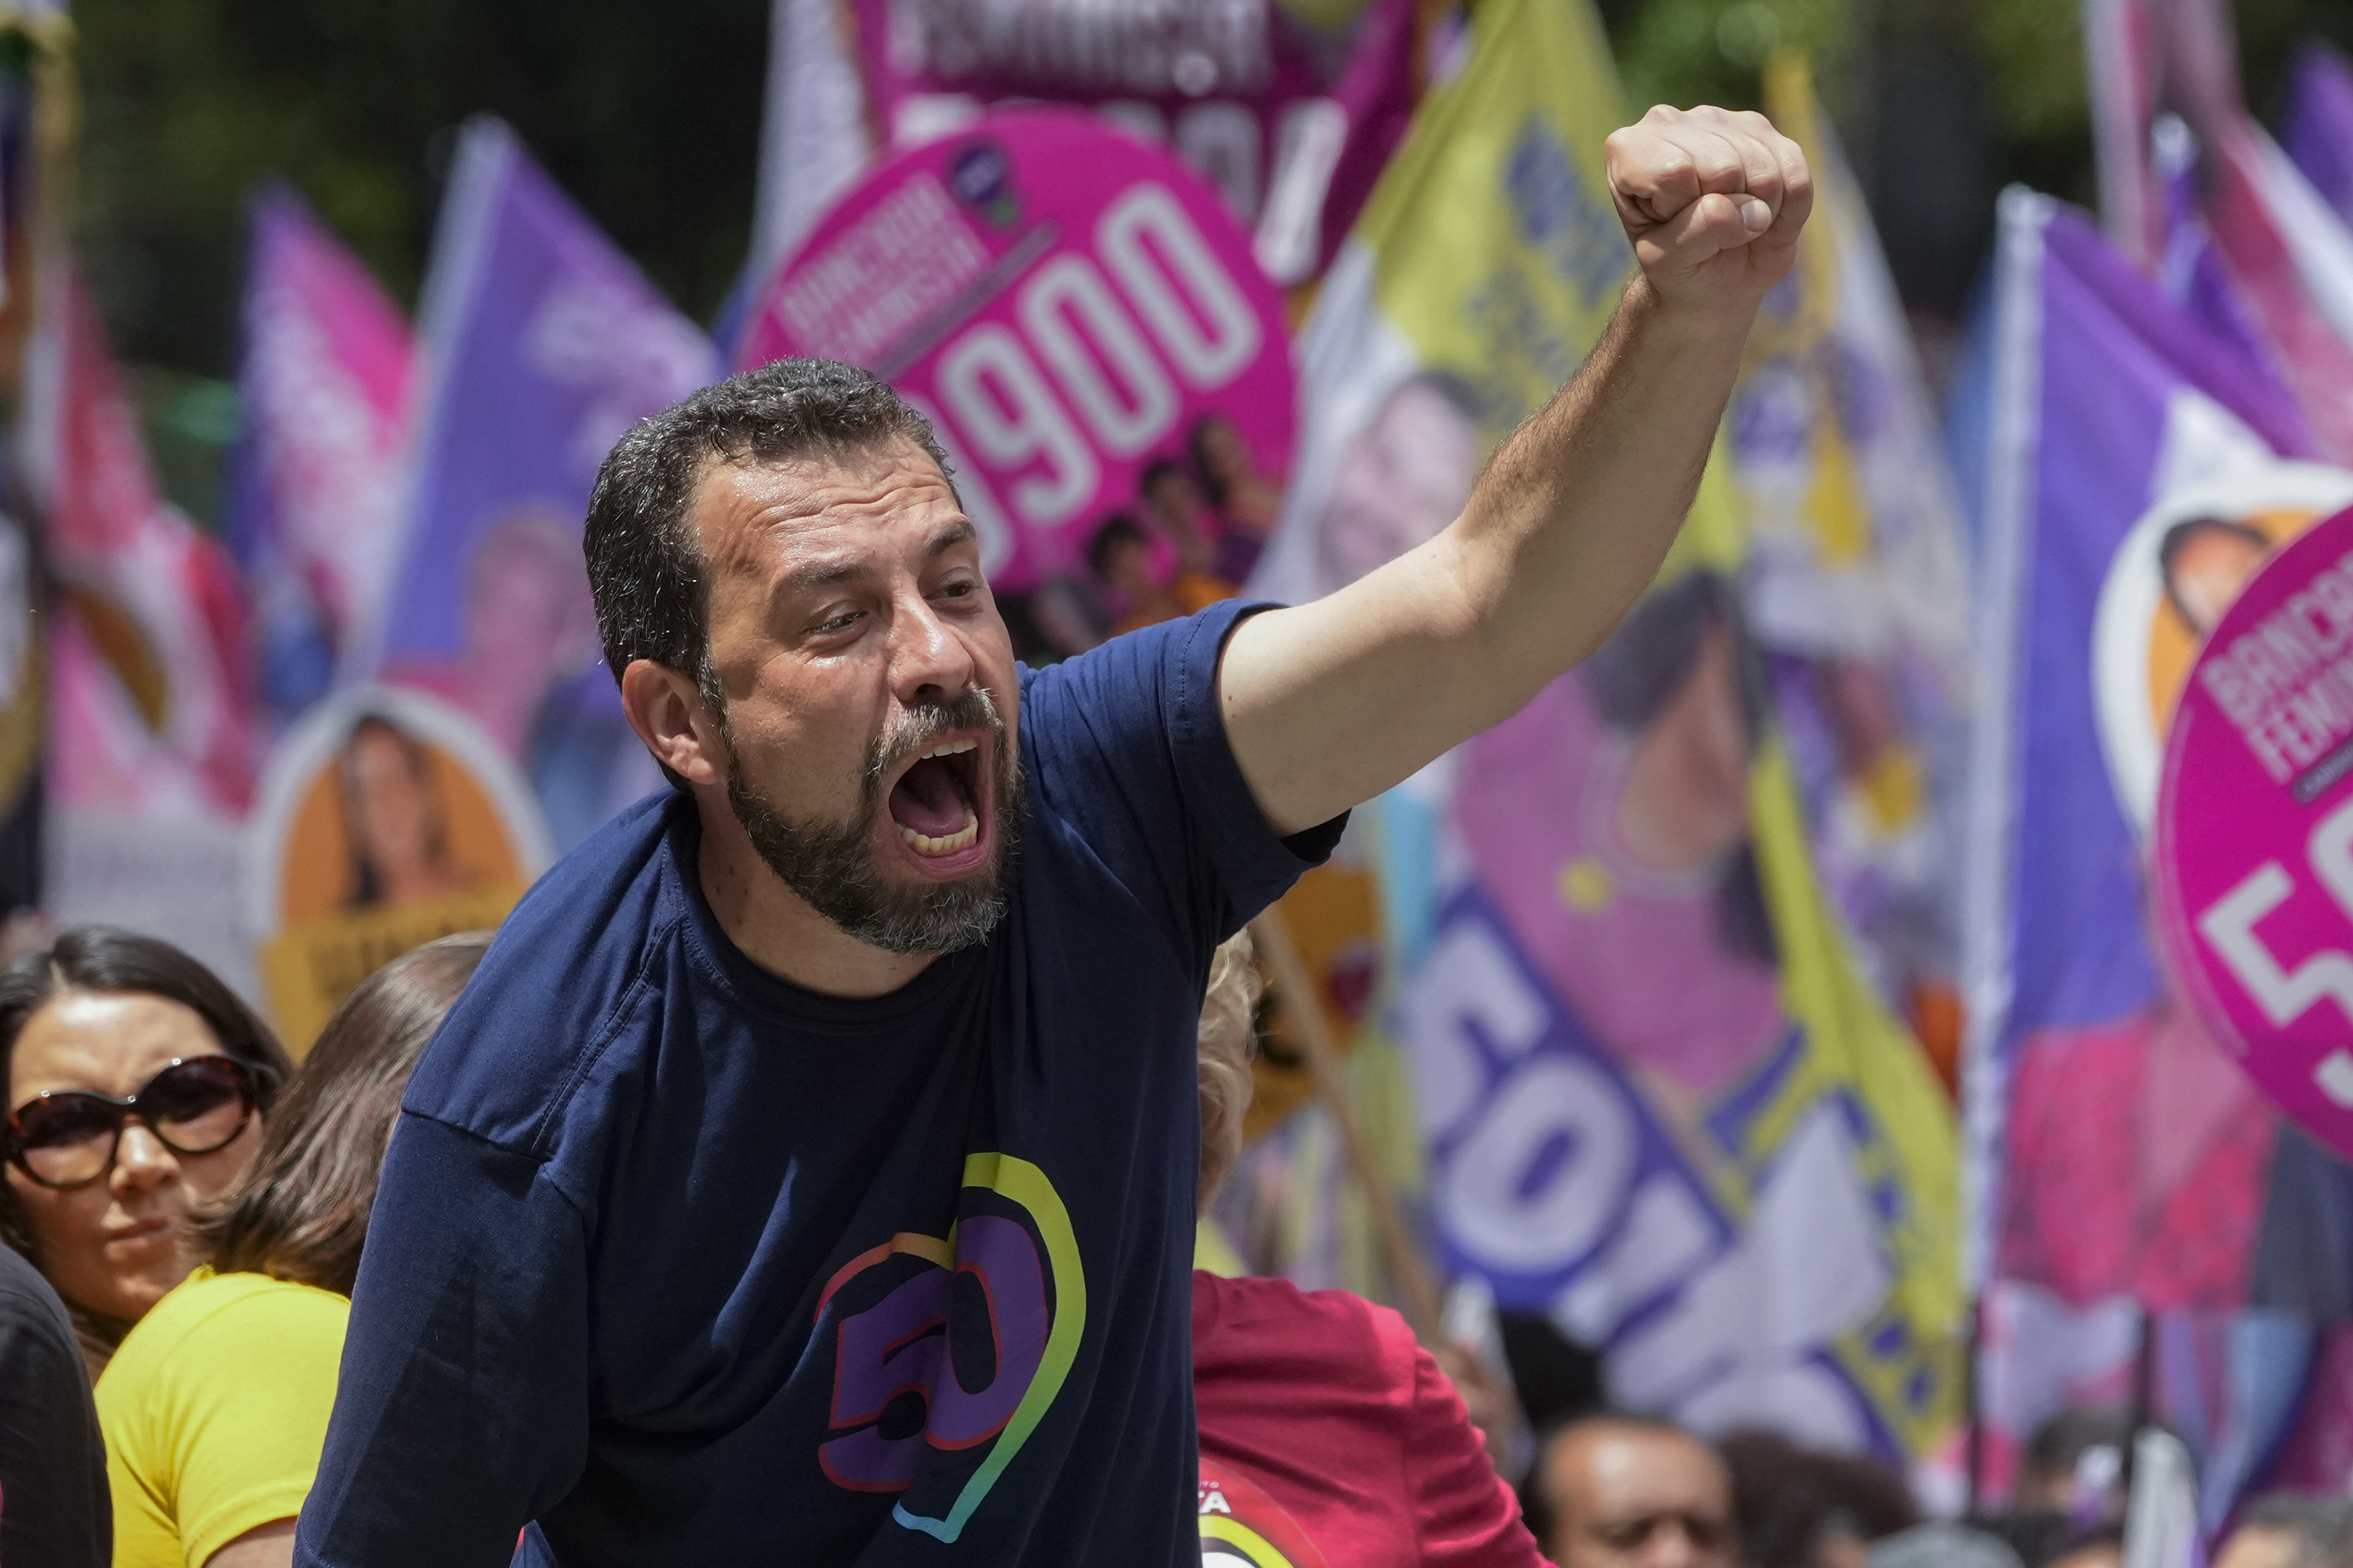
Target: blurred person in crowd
138	1085
2289	1531
1182	516
1807	1508
1320	1417
1619	1491
820	967
215	1406
395	819
1121	554
1248	500
2205	562
1401	479
2073	1464
53	1502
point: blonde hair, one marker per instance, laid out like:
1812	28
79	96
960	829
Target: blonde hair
1228	1038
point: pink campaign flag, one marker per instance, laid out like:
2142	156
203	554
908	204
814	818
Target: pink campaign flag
314	507
154	710
2288	258
153	733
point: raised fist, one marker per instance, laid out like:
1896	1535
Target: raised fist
1714	202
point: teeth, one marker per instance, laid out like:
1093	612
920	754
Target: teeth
925	844
952	749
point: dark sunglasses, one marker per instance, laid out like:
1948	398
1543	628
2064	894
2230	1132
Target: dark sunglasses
195	1105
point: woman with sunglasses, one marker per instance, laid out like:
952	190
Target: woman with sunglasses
137	1084
216	1407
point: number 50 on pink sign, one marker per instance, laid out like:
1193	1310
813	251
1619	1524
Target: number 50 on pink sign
2255	834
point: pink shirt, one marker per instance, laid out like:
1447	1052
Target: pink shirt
1329	1436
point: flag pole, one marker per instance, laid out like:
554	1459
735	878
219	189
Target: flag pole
1416	1283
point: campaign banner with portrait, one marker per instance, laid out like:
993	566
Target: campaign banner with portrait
1106	366
1662	1103
1856	582
316	475
1290	108
542	343
2140	470
387	819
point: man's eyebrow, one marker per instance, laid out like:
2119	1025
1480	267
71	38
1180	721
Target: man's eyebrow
847	569
823	574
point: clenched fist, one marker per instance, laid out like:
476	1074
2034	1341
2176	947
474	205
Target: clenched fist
1714	202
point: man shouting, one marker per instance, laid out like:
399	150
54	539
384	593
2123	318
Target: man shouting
808	1176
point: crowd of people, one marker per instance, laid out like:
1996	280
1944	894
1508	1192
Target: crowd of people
186	1217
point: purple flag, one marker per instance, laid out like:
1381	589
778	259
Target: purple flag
325	385
543	344
2139	470
2318	132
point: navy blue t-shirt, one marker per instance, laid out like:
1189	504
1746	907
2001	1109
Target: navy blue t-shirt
692	1266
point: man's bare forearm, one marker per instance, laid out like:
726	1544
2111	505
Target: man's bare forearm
1330	703
1564	530
1572	517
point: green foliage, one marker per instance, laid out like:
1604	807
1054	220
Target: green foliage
1709	51
647	114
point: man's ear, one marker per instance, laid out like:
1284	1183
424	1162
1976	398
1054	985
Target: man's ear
675	724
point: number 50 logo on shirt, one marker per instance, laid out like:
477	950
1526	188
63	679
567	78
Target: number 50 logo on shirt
2254	836
950	1349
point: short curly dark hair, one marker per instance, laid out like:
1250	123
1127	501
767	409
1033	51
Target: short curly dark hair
645	569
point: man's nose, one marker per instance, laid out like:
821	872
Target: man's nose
1671	1545
929	662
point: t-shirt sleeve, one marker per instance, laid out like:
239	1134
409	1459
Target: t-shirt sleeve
1465	1515
52	1497
462	1409
249	1390
1130	746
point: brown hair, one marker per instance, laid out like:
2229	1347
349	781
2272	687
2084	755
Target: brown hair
1228	1016
301	1211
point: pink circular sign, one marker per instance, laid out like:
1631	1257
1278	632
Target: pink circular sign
1074	308
2254	831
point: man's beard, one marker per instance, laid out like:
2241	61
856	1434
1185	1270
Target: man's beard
837	870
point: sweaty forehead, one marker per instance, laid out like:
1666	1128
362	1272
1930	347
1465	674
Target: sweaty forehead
742	512
108	1042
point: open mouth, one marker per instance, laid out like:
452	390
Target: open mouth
940	803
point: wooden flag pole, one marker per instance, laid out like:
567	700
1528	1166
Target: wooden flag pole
1302	1006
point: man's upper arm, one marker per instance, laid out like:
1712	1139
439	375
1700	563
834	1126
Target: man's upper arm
1134	752
1328	703
461	1411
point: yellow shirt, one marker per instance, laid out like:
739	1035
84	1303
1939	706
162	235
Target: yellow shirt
215	1411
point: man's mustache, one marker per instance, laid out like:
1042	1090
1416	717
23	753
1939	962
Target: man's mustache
918	727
